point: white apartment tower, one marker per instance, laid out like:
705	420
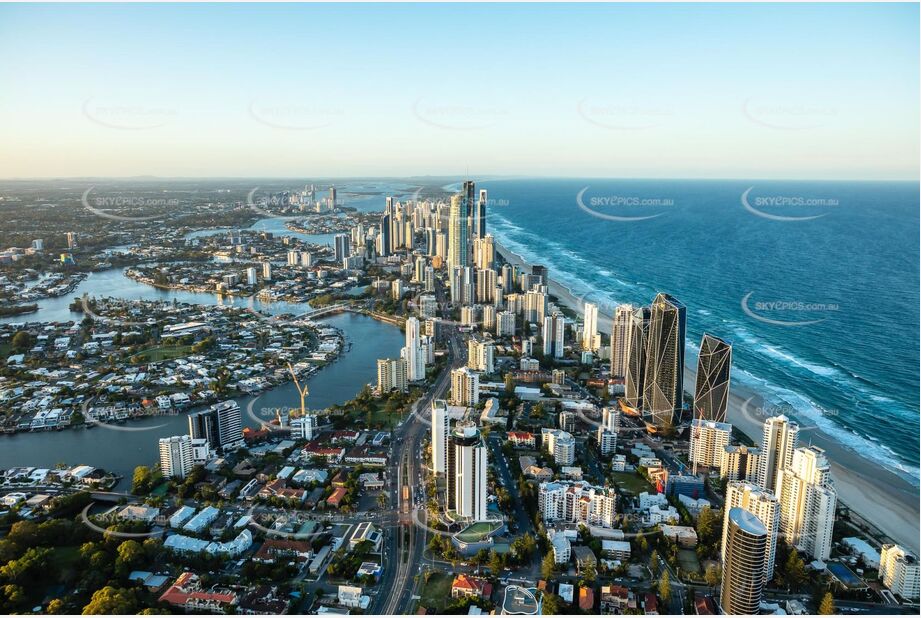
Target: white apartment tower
415	361
591	340
899	571
176	458
466	474
465	387
481	355
778	442
763	505
807	502
708	442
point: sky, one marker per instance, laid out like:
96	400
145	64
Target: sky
808	91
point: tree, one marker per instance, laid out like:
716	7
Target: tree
665	588
551	604
706	525
111	600
589	574
56	606
141	480
827	606
495	563
21	340
548	566
795	570
654	562
130	553
712	575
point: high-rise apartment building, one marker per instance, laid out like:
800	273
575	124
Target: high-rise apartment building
221	425
560	444
176	458
807	503
457	232
779	439
465	387
591	340
708	441
481	355
466	475
899	571
740	463
763	505
412	352
664	380
743	563
635	377
620	338
607	430
711	393
391	375
554	335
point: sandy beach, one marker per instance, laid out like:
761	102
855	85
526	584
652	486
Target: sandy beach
882	498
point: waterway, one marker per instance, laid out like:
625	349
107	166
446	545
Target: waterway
366	340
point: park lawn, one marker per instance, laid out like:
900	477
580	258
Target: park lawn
65	559
436	593
632	482
161	353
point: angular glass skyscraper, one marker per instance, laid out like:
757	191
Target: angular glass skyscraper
664	380
711	392
635	374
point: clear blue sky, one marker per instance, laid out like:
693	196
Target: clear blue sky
709	91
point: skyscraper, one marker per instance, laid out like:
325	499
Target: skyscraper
221	425
778	442
743	563
391	374
664	388
480	217
415	362
554	335
176	458
635	377
620	339
457	232
466	473
711	394
590	328
440	428
465	387
763	505
807	502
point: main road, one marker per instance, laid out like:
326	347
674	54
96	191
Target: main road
406	542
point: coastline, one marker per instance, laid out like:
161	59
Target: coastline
874	494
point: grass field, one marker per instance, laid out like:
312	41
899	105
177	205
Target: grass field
436	593
161	353
632	482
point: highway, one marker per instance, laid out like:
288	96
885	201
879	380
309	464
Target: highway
406	543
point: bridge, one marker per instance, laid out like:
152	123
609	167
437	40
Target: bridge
342	307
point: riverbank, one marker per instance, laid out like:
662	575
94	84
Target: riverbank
872	492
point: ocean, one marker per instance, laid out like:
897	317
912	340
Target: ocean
816	284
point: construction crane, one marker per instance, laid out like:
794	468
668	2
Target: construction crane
302	391
695	436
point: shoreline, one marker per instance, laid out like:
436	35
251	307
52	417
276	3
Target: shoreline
861	492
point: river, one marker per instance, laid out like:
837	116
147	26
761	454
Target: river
121	451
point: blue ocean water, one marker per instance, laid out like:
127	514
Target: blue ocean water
815	283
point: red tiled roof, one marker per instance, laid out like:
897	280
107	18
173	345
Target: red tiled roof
186	588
